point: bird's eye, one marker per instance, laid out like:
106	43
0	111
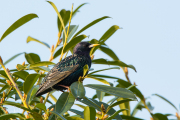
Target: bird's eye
87	45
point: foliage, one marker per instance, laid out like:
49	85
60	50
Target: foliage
22	83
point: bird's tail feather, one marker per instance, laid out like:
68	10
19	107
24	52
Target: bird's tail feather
39	92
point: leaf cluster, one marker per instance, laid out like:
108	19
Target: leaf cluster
22	82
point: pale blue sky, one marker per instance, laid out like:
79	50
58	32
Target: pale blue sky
149	39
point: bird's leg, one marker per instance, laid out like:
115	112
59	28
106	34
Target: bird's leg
65	87
56	89
62	90
68	90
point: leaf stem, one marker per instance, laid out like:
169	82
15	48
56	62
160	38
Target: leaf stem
66	34
15	86
3	109
69	22
125	70
45	100
55	100
60	18
8	92
66	54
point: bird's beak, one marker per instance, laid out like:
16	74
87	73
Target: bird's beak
93	45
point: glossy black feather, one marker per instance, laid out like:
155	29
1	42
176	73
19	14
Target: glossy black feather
67	71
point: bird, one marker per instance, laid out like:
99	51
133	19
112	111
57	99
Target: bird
68	70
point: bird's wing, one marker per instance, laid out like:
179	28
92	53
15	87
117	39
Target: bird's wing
56	76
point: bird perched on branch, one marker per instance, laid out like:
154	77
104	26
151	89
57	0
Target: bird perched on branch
68	70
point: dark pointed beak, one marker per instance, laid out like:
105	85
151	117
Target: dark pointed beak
93	45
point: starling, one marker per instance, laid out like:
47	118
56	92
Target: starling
68	70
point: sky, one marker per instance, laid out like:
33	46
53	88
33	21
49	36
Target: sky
149	40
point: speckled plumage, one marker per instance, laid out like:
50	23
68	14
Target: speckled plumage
67	71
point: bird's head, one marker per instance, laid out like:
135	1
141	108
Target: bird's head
83	48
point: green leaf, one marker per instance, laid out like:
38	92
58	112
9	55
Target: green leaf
76	10
77	112
29	82
100	95
74	118
65	17
73	42
103	76
77	89
4	88
20	67
3	74
116	63
32	58
90	103
117	103
116	113
90	24
99	79
57	114
109	33
85	70
12	115
1	85
151	108
126	84
110	112
81	106
111	101
120	92
94	41
17	24
59	16
72	30
159	116
106	94
36	116
41	106
16	105
3	81
130	87
12	58
21	74
2	110
42	68
166	100
64	103
33	39
109	52
125	105
130	117
31	94
104	70
17	96
139	106
11	93
89	113
57	53
106	35
95	104
42	63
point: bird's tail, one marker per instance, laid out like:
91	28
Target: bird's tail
40	92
